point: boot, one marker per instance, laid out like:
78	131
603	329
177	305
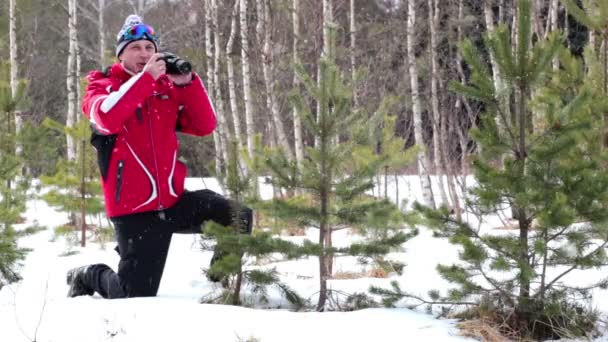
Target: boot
76	280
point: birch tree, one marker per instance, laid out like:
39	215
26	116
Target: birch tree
502	92
423	159
245	68
72	78
433	17
268	68
327	20
14	73
353	51
231	77
223	128
210	86
297	122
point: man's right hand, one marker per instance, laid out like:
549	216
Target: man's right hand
156	66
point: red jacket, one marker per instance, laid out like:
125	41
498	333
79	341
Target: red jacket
135	120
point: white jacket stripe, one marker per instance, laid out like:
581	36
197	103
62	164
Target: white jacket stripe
152	181
115	96
170	180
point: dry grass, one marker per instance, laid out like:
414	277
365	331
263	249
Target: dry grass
373	273
377	272
345	275
481	330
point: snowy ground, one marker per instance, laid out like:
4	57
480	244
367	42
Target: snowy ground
36	309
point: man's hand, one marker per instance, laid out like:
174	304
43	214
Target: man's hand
181	79
156	66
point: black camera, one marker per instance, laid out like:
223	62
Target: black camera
175	64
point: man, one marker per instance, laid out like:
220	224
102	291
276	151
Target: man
135	108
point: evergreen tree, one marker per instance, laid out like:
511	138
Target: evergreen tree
552	173
335	177
230	247
13	186
75	187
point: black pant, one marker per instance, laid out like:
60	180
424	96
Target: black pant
143	242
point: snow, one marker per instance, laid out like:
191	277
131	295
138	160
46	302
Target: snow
36	309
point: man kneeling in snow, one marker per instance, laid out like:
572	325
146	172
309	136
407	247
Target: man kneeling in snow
135	108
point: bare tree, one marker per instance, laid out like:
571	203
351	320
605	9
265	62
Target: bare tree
210	86
353	52
142	6
245	53
297	122
72	78
231	78
433	17
14	73
502	92
268	68
423	159
223	128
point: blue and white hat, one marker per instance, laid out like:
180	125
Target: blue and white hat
134	29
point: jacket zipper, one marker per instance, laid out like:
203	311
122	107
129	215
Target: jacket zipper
160	206
118	181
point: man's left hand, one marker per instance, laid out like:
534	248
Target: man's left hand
181	80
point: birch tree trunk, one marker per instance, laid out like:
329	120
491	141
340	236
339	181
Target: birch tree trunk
250	125
270	79
353	50
459	127
71	78
496	75
554	11
327	20
537	7
437	119
231	79
14	73
423	160
246	71
210	86
297	121
102	34
223	128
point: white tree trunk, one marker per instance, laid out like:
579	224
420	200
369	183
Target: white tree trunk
210	87
437	119
14	73
554	11
231	78
499	84
270	79
353	50
71	78
328	18
423	160
297	121
102	34
223	128
537	23
250	125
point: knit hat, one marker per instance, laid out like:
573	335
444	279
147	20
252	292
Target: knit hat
134	29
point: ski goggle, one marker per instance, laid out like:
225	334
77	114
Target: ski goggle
140	31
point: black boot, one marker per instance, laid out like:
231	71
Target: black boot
76	281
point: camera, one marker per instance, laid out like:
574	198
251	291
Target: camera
175	64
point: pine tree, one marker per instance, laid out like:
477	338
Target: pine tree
13	186
552	173
230	245
335	177
75	187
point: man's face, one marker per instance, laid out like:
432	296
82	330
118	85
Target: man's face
136	54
